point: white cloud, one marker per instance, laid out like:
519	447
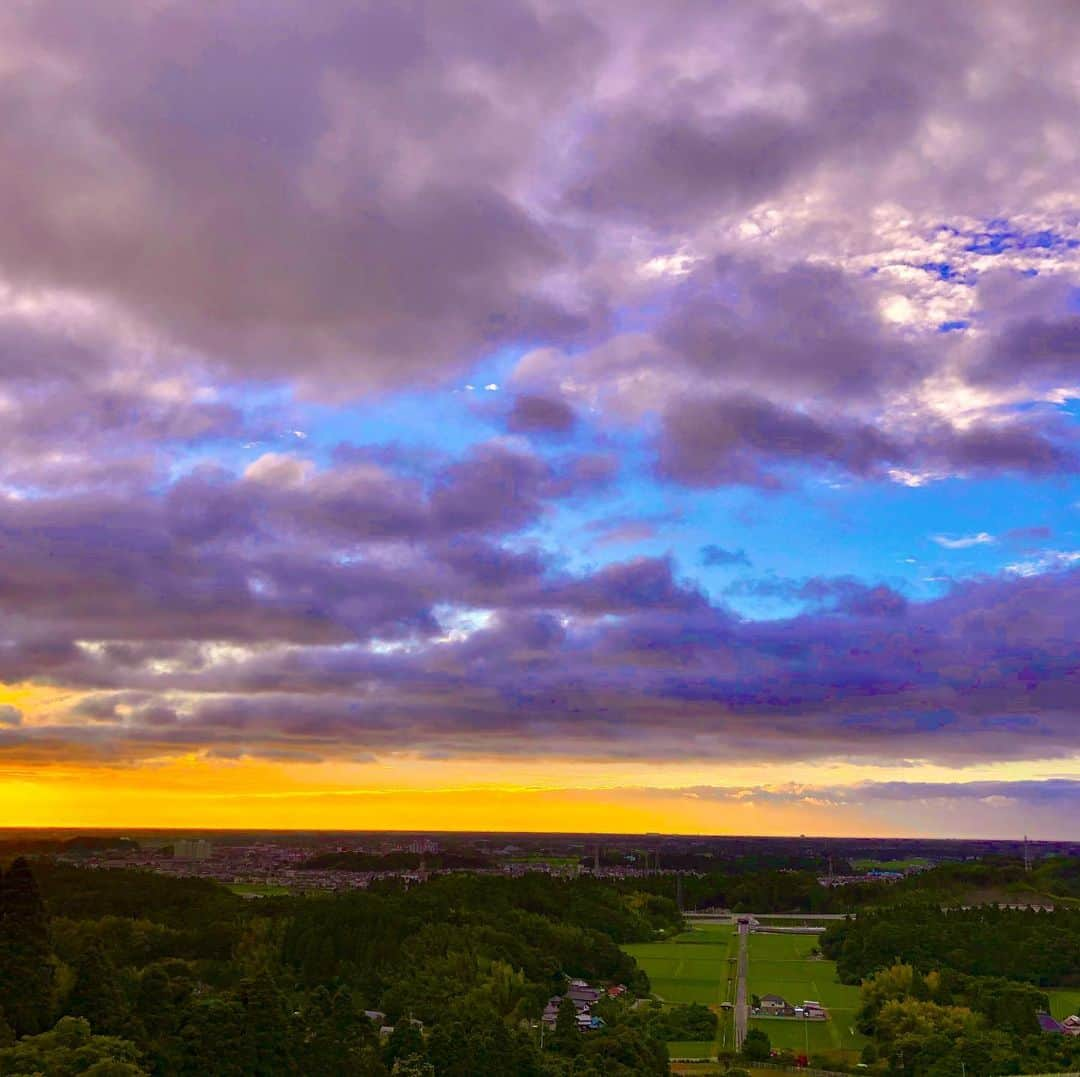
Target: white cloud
278	469
964	542
1049	561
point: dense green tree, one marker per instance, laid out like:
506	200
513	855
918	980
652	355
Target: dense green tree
756	1045
271	1034
626	1052
27	966
97	994
413	1066
214	1039
566	1038
1037	947
68	1049
404	1041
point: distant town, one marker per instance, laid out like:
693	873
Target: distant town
259	864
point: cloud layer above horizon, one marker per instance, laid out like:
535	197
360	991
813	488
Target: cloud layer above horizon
585	384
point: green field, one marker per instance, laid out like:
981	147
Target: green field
1064	1001
692	1049
696	966
782	965
890	865
259	889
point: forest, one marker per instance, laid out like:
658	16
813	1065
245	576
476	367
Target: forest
120	973
948	991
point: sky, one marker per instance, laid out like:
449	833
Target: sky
593	416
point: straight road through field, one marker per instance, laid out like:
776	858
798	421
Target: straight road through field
742	1008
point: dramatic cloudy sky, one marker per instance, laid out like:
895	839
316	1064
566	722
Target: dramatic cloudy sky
592	415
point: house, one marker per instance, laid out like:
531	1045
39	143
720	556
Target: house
377	1017
773	1004
616	990
1048	1024
584	995
1071	1025
551	1010
589	1023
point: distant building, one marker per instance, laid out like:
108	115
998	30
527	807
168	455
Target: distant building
1071	1026
773	1004
192	849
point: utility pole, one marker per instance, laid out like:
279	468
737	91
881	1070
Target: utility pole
1027	855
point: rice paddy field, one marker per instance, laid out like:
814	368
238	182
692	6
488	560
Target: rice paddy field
1064	1001
696	966
783	965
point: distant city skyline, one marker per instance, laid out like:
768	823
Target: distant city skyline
541	416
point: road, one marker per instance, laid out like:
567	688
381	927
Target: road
729	918
742	1005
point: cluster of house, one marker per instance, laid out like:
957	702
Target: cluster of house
775	1006
875	876
1069	1027
584	998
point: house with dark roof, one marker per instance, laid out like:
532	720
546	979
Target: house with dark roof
583	993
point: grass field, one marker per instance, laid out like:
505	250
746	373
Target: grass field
258	889
696	966
692	967
890	865
1064	1001
782	965
692	1049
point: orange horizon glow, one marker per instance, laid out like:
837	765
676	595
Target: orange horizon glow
206	794
411	792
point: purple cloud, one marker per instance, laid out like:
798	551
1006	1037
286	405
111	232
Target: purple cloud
707	246
713	555
541	414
